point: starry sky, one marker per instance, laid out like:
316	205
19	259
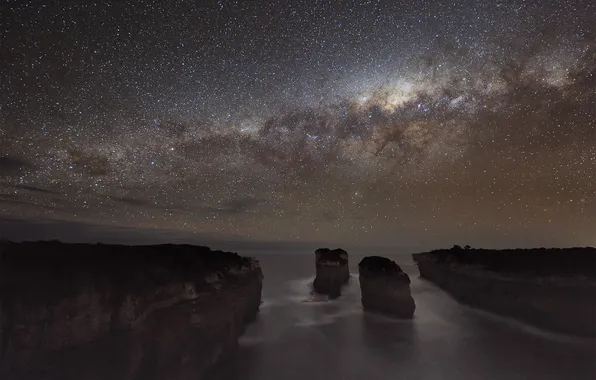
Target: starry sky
403	125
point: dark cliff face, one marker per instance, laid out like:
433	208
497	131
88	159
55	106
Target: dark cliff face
556	293
537	262
333	271
385	287
79	311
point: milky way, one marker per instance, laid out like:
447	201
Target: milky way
372	123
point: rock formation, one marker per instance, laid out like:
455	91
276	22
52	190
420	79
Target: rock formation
385	288
553	289
333	271
81	311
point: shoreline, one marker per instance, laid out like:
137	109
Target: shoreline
558	304
85	311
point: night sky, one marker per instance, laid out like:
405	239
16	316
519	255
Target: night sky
353	123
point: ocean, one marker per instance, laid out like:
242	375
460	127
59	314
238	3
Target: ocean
303	336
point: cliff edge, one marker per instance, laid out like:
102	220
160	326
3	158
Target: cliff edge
82	311
553	289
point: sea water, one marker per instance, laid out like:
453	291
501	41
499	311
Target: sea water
304	336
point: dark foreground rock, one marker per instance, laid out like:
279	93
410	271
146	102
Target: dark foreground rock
81	311
333	271
553	289
385	288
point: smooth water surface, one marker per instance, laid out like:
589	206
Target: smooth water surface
301	336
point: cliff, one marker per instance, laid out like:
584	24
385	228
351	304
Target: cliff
553	289
81	311
332	271
385	288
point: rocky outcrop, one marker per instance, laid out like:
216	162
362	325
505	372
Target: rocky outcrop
80	311
552	289
333	271
385	288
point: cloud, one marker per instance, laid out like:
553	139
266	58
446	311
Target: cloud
237	206
131	201
12	166
35	189
231	207
17	229
89	161
11	200
142	203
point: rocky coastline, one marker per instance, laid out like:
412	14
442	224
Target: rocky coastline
385	288
552	289
332	271
83	311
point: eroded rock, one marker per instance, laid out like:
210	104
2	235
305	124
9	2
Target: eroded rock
553	289
385	288
82	311
332	271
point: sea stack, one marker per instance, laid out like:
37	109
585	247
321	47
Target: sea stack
99	312
333	271
385	288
